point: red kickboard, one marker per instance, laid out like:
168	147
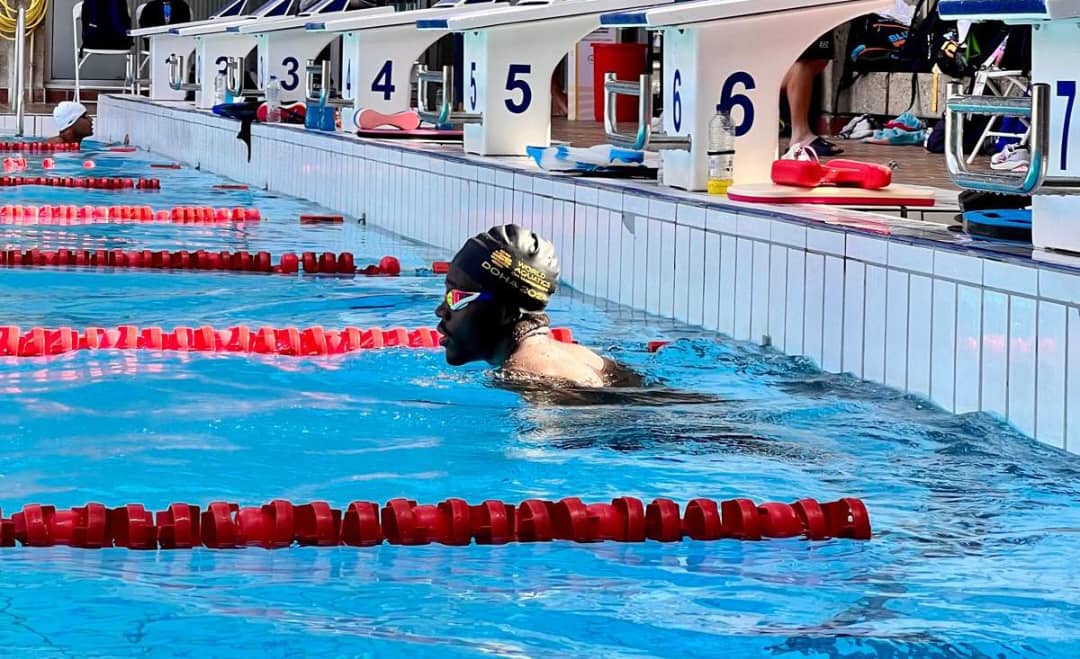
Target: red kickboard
418	134
770	193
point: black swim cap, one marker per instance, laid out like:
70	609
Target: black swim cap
513	263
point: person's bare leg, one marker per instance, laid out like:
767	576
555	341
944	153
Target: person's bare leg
799	85
559	101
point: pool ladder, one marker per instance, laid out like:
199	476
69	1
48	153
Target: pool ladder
1036	110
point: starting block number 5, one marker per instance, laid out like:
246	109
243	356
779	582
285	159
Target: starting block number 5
731	97
519	92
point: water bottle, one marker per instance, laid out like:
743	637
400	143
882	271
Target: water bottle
219	89
166	11
721	153
273	101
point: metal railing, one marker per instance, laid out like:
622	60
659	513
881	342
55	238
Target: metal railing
443	112
19	89
1036	110
644	137
322	92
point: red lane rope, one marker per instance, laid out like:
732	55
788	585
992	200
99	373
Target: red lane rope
259	262
280	523
97	183
38	146
68	215
292	341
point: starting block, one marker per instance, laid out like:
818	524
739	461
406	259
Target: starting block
510	55
378	52
1053	176
715	60
286	48
168	52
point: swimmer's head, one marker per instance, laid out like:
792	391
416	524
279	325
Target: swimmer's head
497	281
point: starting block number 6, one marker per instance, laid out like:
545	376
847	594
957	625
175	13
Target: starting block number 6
730	98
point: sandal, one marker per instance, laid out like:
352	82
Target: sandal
824	147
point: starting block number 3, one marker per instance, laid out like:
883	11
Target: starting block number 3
731	97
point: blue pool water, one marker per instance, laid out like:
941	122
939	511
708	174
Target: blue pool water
976	527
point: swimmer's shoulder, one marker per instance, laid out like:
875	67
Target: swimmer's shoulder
563	362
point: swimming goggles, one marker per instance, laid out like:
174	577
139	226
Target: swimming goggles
457	300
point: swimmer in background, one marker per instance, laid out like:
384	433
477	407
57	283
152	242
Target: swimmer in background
73	123
497	288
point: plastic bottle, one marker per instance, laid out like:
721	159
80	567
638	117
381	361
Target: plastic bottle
721	153
219	89
273	101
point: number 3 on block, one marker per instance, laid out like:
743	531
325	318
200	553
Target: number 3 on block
514	83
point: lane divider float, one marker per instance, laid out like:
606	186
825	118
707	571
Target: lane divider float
89	182
280	523
286	341
38	146
67	215
258	262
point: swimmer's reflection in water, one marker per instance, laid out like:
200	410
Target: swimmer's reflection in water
497	288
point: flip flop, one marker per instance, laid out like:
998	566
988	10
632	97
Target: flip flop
824	148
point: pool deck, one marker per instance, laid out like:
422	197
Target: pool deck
970	325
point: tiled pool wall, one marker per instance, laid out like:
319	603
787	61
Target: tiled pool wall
34	125
968	332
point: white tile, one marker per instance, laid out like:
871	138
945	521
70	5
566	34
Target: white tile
602	248
637	204
1059	286
1022	355
711	292
628	246
943	346
656	267
870	250
690	216
778	280
542	186
744	281
661	210
523	182
667	272
832	321
544	214
753	226
759	309
681	300
995	352
504	179
874	319
729	292
722	221
960	267
854	313
814	306
586	194
1050	384
611	200
896	329
641	261
518	214
788	233
1072	384
1011	278
584	247
827	242
795	312
969	330
562	190
912	257
483	175
698	275
920	313
613	272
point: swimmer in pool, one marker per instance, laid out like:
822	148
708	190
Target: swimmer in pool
496	291
73	123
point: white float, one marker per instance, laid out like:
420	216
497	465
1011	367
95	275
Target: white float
165	46
510	55
1053	179
731	55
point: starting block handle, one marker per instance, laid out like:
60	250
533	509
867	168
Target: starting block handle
644	137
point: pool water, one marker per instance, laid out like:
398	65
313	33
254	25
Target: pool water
976	527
